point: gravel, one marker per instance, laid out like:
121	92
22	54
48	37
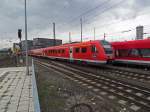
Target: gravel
58	94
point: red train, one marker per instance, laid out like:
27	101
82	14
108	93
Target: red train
132	52
94	52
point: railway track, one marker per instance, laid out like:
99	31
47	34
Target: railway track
135	97
142	76
131	74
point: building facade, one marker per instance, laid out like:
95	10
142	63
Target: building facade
139	32
45	42
37	43
23	45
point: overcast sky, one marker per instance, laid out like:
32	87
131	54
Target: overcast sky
108	16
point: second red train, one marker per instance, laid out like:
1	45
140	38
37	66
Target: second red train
135	52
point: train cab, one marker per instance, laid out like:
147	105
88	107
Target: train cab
97	52
108	50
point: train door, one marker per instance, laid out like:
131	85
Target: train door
94	52
71	53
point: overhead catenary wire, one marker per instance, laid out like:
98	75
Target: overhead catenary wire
104	10
88	11
97	35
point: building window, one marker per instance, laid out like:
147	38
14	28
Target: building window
77	50
84	50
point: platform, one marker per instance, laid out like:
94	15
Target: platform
15	90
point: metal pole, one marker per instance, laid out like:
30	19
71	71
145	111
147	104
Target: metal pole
104	36
81	28
26	36
54	34
94	33
69	37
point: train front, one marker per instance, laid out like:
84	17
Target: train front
108	50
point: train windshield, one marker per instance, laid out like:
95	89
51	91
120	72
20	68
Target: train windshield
107	47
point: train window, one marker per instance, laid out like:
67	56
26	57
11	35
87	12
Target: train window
63	51
77	50
108	50
145	53
123	52
93	49
104	42
59	51
134	52
55	51
84	50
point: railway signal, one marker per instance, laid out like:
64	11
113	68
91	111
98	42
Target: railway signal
20	34
104	36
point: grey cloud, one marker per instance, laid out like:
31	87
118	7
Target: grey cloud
41	13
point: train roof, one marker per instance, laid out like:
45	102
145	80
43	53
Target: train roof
71	44
75	44
132	44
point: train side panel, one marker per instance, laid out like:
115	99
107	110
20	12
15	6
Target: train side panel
132	52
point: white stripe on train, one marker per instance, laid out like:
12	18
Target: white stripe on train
132	61
91	61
